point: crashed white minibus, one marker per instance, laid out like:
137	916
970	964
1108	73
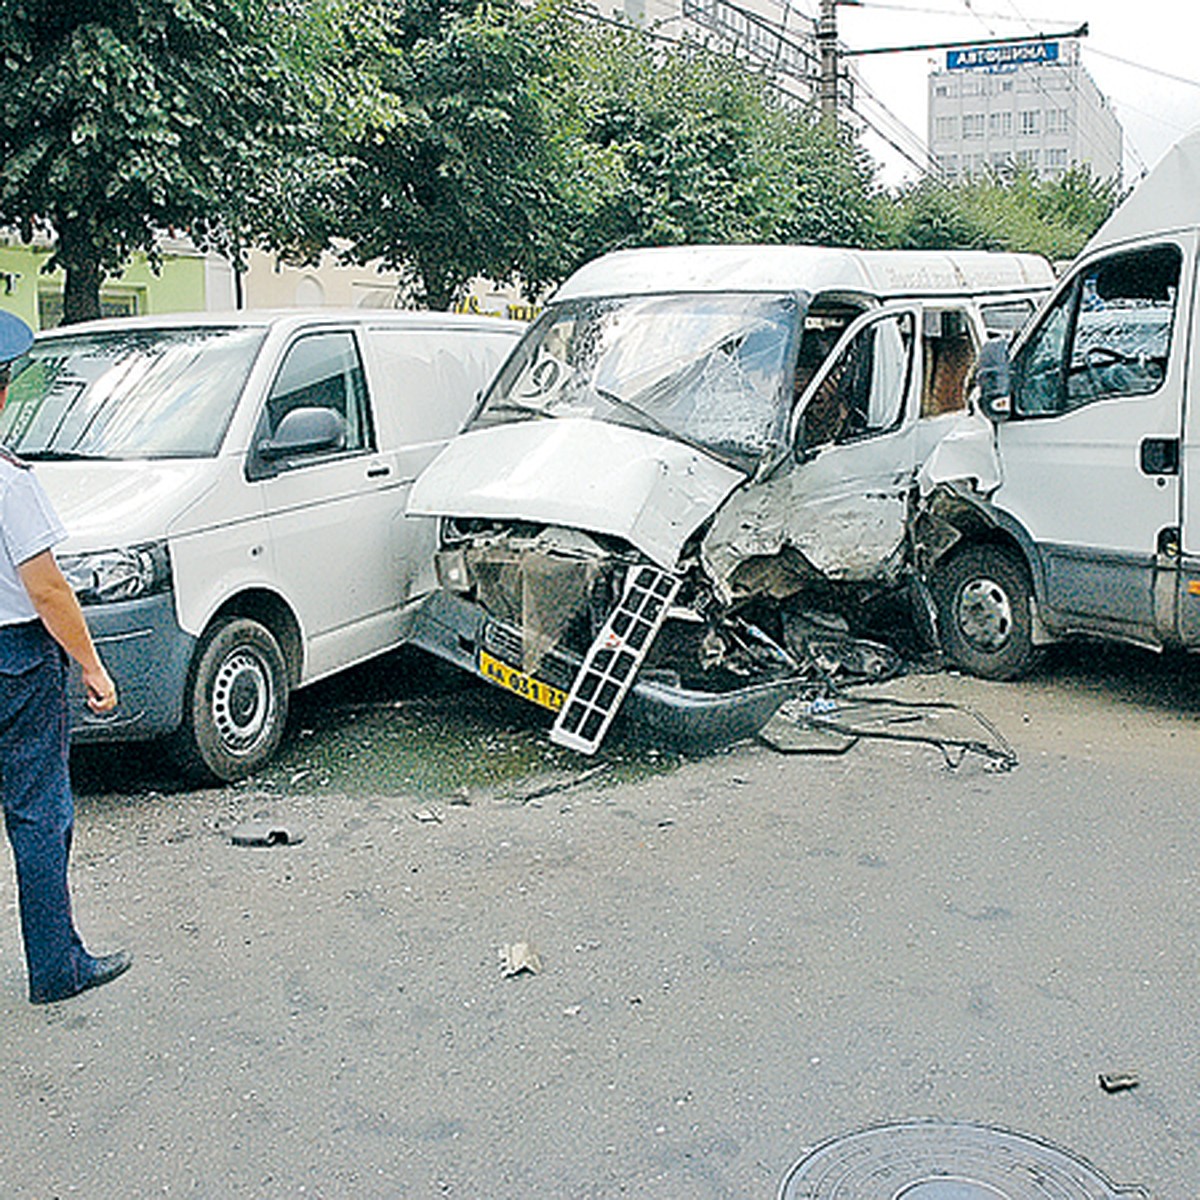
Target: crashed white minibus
691	445
1091	524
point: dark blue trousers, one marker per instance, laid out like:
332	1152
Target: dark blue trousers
39	810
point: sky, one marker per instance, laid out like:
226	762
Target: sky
1132	50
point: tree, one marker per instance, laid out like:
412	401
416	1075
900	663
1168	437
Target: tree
455	177
120	119
672	144
1013	211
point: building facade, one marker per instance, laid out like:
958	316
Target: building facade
1030	105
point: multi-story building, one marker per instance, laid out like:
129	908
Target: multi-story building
1029	104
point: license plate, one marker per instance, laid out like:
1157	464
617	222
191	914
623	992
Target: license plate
517	681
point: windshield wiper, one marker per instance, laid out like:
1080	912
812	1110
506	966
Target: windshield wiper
48	455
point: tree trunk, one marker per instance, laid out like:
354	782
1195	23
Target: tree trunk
78	257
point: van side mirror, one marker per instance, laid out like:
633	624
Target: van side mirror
994	373
304	431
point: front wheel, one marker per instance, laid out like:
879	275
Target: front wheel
984	607
237	704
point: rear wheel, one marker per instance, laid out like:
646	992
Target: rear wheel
984	606
236	707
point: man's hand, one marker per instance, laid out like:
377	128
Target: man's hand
101	691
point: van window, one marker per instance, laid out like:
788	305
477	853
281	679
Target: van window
137	393
323	370
1107	335
863	392
949	354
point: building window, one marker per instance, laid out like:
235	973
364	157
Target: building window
949	164
1029	158
1056	120
1056	159
943	128
1030	122
941	90
972	125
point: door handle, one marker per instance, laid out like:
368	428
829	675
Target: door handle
378	471
1160	456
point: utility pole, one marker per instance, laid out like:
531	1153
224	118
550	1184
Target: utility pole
827	50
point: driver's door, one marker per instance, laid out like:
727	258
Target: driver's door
1090	457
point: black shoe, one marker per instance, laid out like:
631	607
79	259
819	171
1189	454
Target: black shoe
104	970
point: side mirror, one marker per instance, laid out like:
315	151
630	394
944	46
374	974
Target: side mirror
994	373
304	431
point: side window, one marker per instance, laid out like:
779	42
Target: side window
863	392
323	370
1108	335
949	354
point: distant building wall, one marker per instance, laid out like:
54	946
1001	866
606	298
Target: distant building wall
996	109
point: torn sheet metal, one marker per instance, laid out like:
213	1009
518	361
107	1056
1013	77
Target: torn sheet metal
966	453
519	957
586	474
843	536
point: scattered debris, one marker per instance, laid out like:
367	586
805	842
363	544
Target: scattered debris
265	833
428	816
1118	1081
518	957
832	725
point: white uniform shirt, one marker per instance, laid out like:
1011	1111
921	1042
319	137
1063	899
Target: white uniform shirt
28	525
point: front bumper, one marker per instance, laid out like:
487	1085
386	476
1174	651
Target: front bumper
148	656
656	709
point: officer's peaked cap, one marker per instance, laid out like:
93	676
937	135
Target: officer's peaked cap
15	337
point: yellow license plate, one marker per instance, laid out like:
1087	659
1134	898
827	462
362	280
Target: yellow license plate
517	681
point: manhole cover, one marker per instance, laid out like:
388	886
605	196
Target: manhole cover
933	1160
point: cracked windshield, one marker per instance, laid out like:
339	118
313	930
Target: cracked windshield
707	370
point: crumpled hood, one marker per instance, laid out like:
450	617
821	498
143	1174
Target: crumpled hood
581	474
109	504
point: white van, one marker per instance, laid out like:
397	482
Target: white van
1092	524
234	487
689	444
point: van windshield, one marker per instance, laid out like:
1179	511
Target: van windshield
144	393
706	369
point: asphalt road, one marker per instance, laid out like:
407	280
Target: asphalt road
741	956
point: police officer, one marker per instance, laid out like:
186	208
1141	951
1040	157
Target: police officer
40	625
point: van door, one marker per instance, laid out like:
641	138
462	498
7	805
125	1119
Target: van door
855	438
1090	457
332	511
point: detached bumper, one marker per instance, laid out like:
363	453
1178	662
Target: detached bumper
148	656
656	709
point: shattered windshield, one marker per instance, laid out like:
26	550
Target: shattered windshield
709	370
145	393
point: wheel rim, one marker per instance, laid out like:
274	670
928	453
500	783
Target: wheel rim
985	615
243	701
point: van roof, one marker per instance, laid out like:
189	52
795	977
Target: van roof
1168	198
295	317
884	273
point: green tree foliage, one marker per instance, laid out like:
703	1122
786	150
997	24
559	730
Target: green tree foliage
454	177
673	143
120	119
1014	211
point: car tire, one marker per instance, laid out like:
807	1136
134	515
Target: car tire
985	615
237	702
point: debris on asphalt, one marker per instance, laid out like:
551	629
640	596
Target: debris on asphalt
428	816
1118	1081
562	785
829	725
268	832
518	957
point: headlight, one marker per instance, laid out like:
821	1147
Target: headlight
125	574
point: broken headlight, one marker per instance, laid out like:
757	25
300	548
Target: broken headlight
127	573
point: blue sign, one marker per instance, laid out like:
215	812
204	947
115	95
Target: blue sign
1001	58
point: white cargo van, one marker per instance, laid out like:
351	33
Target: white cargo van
689	445
1092	525
234	487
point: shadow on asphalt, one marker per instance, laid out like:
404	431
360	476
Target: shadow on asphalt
402	724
